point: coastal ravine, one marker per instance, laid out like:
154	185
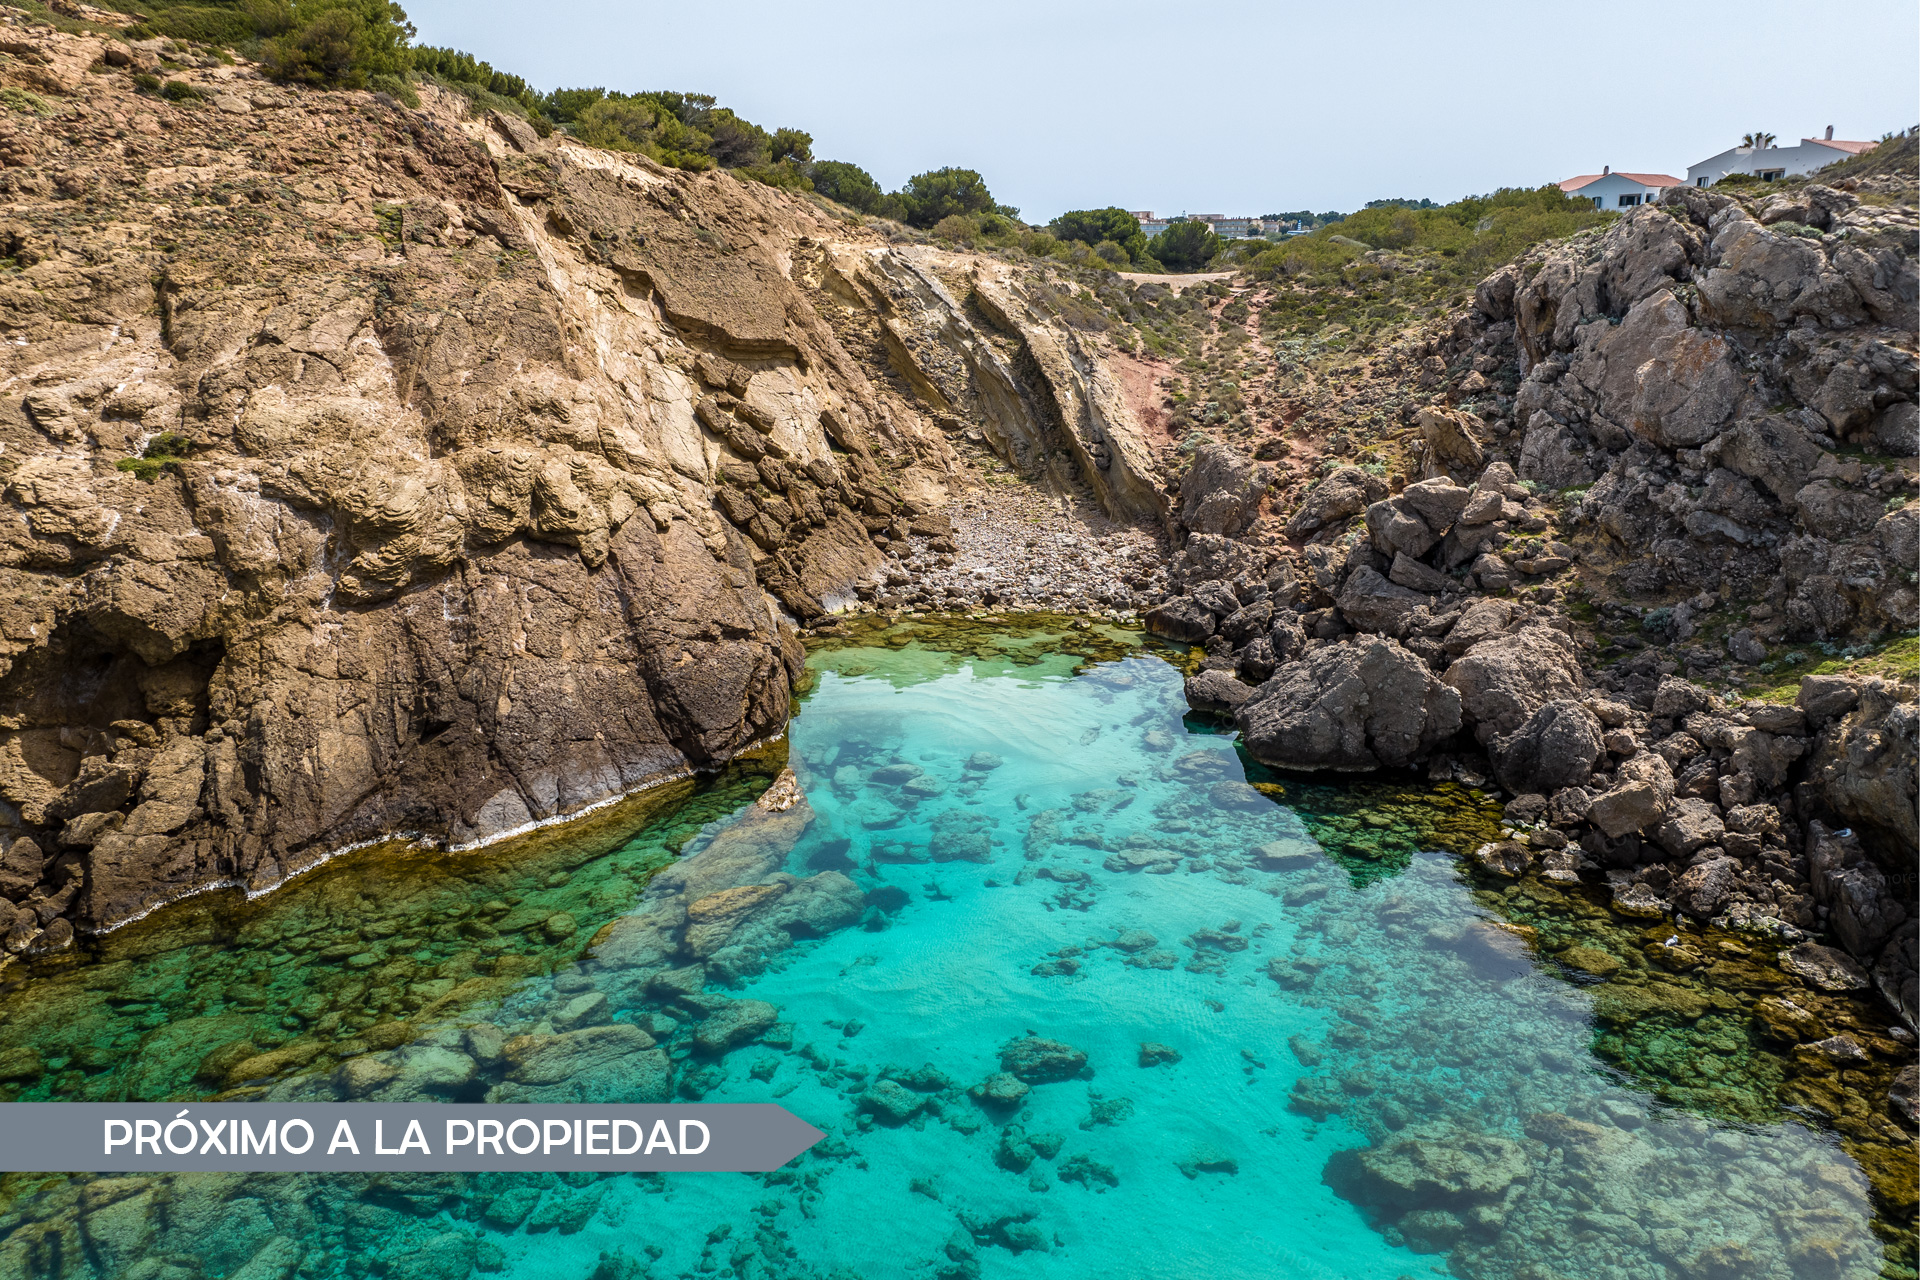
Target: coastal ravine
1074	989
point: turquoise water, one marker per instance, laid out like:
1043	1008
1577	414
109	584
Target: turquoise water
1299	1061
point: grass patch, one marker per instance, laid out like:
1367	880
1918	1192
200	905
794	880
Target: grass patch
163	451
1897	660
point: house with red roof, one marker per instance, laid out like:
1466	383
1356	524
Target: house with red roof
1771	163
1610	190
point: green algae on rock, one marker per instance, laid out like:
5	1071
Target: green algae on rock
218	995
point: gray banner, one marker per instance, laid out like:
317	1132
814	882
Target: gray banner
368	1137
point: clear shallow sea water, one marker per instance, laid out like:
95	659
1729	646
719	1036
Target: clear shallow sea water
1313	1047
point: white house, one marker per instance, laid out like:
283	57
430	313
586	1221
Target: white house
1770	163
1610	190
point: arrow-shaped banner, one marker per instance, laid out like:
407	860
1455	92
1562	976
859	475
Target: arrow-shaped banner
371	1137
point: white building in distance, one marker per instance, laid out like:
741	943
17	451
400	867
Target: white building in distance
1772	163
1610	190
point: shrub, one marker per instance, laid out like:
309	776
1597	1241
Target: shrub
334	44
644	125
958	228
464	69
163	451
794	145
179	91
1039	243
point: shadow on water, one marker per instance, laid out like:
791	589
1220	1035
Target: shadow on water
1317	1042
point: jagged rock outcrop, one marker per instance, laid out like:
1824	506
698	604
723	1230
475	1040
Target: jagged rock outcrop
1696	366
1687	377
372	471
1368	704
1221	492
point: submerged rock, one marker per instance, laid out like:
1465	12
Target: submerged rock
1001	1089
1153	1054
732	1023
589	1065
1207	1158
891	1102
1041	1061
1436	1168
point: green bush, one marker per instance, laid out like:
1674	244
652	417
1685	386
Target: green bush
958	228
333	44
179	91
207	24
163	451
644	125
792	145
1040	244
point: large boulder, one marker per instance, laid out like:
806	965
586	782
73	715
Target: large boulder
1209	557
1182	618
1438	502
1865	764
1221	491
1367	704
1346	492
1639	798
1766	279
1835	513
1396	527
1504	679
1216	691
1685	383
1690	824
1554	454
1453	445
1702	890
1370	602
1555	748
1771	449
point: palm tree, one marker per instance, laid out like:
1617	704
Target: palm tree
1756	141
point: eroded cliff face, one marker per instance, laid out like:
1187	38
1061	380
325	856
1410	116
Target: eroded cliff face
476	479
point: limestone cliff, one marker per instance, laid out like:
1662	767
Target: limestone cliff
368	471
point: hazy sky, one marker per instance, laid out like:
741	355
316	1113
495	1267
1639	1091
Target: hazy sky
1236	108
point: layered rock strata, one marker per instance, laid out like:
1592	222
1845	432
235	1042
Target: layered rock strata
370	472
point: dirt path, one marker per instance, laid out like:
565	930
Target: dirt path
1176	283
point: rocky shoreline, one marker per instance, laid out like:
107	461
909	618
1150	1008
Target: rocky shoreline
464	481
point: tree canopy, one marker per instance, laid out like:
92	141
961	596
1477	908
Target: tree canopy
848	183
1104	226
1185	246
942	193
